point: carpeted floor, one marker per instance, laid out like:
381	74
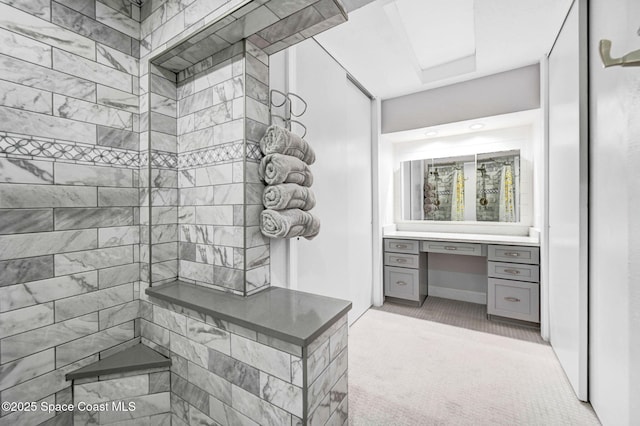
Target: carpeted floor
467	315
409	371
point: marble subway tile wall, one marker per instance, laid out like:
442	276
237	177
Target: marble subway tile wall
223	373
148	390
69	193
211	179
257	254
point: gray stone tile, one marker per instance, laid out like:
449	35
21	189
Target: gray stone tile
160	382
258	409
42	291
27	368
31	75
123	6
281	393
214	215
124	274
195	102
170	320
163	87
77	174
85	7
90	70
164	234
339	341
96	342
263	357
23	270
192	351
189	393
208	335
18	46
257	90
196	140
228	132
25	220
24	97
317	362
257	69
163	123
163	105
41	386
110	390
25	196
20	345
117	60
21	320
205	254
115	98
25	122
164	252
117	20
213	384
80	218
80	305
234	371
64	396
154	408
46	32
217	114
155	333
118	314
38	244
76	109
320	414
248	24
118	236
39	8
118	197
117	138
80	24
188	251
196	271
280	344
257	256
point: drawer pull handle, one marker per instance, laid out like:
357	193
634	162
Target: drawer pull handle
401	260
511	299
401	283
450	248
512	271
401	246
512	254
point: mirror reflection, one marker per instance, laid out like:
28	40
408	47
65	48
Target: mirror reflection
483	187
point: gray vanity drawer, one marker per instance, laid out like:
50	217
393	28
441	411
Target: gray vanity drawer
514	299
514	271
402	246
402	283
453	248
516	254
403	260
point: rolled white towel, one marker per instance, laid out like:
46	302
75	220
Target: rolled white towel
279	168
289	224
278	140
288	196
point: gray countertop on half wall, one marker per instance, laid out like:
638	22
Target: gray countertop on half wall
293	316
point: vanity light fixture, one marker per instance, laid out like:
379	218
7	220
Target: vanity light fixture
476	126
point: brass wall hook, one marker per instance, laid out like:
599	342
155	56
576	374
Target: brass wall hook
631	59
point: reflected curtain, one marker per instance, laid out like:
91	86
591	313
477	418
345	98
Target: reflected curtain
507	209
457	197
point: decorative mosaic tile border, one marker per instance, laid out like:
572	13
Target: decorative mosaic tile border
18	145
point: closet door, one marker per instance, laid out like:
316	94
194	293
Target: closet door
339	261
568	199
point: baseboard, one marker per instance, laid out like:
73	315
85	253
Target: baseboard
455	294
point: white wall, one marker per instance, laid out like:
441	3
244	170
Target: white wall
614	212
338	262
501	93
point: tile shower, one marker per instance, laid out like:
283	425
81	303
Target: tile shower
79	104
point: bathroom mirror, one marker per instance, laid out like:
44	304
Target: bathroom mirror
481	187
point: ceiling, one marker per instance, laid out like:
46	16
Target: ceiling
396	47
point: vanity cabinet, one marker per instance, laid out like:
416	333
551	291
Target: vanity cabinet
514	282
405	271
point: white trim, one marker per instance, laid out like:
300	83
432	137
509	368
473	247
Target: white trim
456	294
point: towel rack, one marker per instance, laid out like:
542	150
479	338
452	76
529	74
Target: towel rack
279	99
